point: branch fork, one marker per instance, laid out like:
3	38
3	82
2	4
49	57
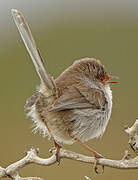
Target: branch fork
133	136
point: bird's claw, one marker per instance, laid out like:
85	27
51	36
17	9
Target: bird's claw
95	167
97	157
56	151
57	158
58	147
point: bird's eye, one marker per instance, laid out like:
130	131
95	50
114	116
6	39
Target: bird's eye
102	78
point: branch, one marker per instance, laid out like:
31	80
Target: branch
133	136
12	171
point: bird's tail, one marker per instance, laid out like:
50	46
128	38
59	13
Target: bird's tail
33	51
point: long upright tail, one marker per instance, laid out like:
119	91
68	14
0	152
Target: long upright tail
33	51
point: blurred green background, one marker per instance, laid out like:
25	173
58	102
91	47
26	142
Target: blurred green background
66	31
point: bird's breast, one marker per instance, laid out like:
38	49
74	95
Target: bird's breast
91	123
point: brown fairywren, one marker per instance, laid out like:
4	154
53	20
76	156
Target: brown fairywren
74	107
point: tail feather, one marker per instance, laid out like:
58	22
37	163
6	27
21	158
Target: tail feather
33	51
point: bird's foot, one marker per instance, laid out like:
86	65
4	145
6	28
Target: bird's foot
57	153
97	156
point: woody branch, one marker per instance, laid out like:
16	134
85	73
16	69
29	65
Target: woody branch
12	171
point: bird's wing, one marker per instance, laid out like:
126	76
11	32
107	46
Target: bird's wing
80	98
32	100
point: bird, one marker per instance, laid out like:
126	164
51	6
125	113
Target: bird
74	107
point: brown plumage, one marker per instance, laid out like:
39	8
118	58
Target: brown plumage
71	85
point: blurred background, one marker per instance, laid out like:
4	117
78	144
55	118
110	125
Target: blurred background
66	31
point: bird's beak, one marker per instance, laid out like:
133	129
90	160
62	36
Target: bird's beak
110	78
